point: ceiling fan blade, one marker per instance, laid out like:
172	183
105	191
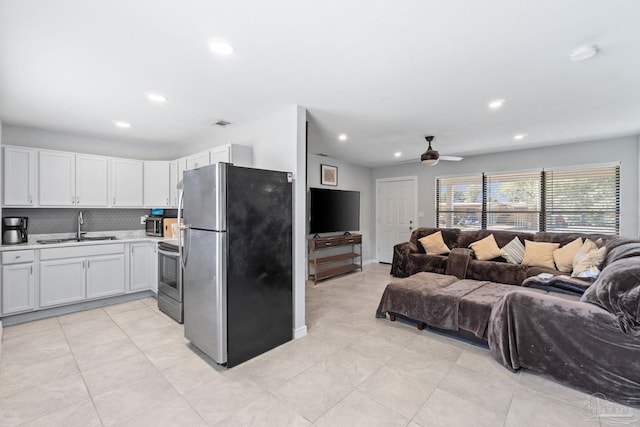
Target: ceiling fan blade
446	158
451	158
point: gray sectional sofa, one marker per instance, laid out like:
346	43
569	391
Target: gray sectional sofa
589	341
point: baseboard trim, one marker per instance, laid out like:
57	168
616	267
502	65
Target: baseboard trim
300	332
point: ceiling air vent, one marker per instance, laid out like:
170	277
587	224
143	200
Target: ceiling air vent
222	123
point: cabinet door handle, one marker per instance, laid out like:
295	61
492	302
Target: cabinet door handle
73	201
83	264
31	270
18	256
78	200
30	199
114	200
88	264
167	201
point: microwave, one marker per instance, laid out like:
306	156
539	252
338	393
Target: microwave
154	226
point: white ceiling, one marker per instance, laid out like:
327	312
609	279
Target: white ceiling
385	73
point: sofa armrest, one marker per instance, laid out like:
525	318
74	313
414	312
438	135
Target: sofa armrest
458	261
400	264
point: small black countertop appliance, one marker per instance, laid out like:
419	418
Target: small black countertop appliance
14	230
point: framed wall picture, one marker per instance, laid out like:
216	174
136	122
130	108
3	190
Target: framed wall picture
328	175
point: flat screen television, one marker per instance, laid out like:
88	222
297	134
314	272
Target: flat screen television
334	211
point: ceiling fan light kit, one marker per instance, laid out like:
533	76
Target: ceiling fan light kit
430	157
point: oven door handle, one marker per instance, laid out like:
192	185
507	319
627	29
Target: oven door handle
169	254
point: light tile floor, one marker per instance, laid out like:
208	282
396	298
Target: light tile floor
129	365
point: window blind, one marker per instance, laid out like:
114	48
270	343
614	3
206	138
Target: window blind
513	201
583	200
459	202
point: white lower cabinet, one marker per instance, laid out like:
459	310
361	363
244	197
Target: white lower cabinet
76	273
105	276
62	281
18	288
142	267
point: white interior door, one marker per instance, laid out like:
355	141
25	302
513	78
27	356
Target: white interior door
396	213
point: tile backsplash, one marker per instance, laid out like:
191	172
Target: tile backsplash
51	220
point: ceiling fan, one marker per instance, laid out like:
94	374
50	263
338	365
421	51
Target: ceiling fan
431	157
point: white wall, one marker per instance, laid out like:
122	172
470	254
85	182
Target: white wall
625	150
64	141
355	178
278	142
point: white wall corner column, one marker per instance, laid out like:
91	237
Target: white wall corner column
299	224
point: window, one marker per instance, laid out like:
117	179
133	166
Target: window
513	201
585	200
459	202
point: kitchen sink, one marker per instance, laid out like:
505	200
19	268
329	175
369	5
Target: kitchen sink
75	240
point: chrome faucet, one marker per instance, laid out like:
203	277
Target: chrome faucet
80	222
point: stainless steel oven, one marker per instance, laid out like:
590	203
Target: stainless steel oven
170	281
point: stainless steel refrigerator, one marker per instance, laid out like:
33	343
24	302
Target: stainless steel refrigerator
237	261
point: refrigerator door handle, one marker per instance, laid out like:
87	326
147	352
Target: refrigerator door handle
184	256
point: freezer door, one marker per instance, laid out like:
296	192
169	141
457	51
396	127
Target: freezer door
205	292
205	197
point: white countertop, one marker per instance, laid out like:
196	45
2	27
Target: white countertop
121	237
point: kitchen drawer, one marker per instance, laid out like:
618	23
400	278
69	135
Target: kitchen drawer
81	251
15	257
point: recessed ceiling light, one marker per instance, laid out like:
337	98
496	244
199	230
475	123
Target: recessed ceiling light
156	97
519	136
342	137
121	124
583	52
220	47
397	154
494	105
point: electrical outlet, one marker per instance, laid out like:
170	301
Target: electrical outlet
143	219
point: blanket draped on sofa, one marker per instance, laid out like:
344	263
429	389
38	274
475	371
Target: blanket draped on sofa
442	301
575	343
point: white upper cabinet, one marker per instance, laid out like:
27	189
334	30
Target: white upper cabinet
126	183
67	179
19	183
47	178
198	160
157	181
239	155
57	178
92	183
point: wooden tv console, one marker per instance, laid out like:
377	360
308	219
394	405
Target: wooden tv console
324	263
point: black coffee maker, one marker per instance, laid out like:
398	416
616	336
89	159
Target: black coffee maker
14	230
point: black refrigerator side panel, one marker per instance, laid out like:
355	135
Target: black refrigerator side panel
259	274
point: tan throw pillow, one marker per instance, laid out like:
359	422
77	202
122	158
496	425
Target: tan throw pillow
565	255
434	244
539	254
588	256
486	248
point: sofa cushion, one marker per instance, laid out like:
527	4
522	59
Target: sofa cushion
617	290
564	256
539	254
434	244
513	251
587	257
486	249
